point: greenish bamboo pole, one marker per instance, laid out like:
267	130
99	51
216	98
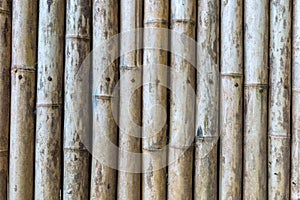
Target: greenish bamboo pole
76	106
23	92
207	104
279	101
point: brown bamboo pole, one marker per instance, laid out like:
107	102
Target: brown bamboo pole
5	58
154	95
76	107
105	76
49	99
130	92
180	172
279	101
256	99
23	82
231	100
295	168
207	104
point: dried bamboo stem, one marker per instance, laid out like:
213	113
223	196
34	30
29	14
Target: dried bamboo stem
295	170
76	107
23	82
49	100
256	100
207	110
105	75
279	101
154	95
180	172
5	58
130	117
231	99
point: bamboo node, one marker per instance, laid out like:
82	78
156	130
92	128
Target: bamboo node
17	68
104	97
78	37
4	12
232	75
156	21
47	105
278	134
257	85
3	153
184	21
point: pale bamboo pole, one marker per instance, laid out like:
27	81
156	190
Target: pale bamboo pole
231	100
295	168
182	78
76	106
49	99
256	99
279	100
207	104
23	92
154	100
130	78
105	76
5	58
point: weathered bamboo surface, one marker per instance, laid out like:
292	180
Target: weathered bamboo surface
76	108
255	99
280	100
23	93
5	59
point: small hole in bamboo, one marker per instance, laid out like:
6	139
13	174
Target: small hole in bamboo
49	78
20	77
236	85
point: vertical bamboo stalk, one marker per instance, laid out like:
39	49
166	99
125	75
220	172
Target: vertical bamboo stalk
76	106
279	101
256	99
180	172
231	99
105	75
207	110
49	99
295	170
154	95
5	58
23	83
130	78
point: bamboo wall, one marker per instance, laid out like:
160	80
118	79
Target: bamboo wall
153	99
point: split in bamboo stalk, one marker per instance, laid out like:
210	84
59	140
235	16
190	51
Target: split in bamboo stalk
279	101
182	77
105	76
5	58
76	106
154	100
49	100
130	98
207	110
256	99
231	100
23	92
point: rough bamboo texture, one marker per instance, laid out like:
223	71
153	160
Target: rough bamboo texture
256	99
279	101
105	76
130	98
23	93
207	104
154	100
231	100
182	77
76	107
295	170
49	100
5	58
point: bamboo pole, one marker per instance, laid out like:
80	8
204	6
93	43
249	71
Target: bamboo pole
295	170
279	101
49	100
5	58
76	106
180	172
207	110
256	100
154	95
130	79
105	75
231	100
23	82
